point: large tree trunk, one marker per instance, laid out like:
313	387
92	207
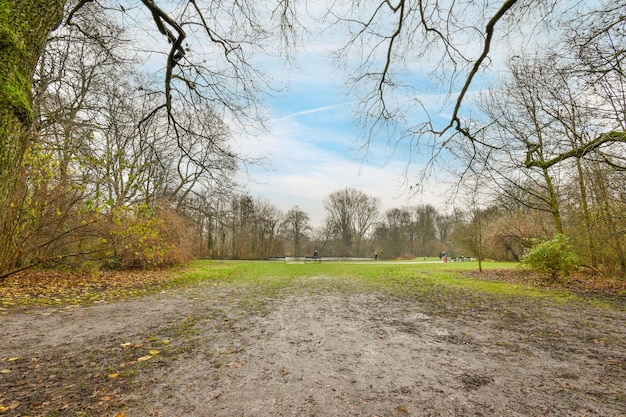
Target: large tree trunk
24	28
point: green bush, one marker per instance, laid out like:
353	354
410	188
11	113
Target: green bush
553	257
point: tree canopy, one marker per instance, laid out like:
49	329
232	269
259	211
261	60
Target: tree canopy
87	134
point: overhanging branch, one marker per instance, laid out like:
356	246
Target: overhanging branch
603	139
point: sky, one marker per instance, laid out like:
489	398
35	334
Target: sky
315	145
312	142
313	149
312	145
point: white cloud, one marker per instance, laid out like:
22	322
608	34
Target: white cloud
312	142
304	171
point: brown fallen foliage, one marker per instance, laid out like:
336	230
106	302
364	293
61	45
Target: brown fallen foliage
583	284
51	287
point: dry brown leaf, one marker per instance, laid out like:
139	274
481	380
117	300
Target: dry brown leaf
75	288
564	385
144	358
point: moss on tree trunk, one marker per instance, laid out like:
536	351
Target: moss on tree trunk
24	29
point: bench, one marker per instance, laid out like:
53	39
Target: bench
461	259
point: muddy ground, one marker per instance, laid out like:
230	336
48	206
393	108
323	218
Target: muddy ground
330	350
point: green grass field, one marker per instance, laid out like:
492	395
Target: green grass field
451	289
429	281
403	279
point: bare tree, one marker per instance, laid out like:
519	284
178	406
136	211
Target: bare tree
524	136
393	38
425	229
89	101
350	214
393	233
296	226
556	119
402	55
266	231
207	55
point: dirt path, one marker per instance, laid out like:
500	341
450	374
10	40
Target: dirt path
218	351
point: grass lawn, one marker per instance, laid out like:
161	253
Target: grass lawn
459	281
271	278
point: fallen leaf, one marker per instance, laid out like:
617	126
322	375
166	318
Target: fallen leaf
14	359
153	352
120	414
5	371
4	409
113	376
144	358
234	364
165	342
564	385
125	345
105	398
401	409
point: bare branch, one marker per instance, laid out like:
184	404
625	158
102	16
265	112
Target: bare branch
76	8
489	31
177	52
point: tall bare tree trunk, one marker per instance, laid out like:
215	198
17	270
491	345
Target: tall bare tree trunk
591	250
553	202
24	29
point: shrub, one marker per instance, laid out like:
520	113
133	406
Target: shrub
144	236
553	257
